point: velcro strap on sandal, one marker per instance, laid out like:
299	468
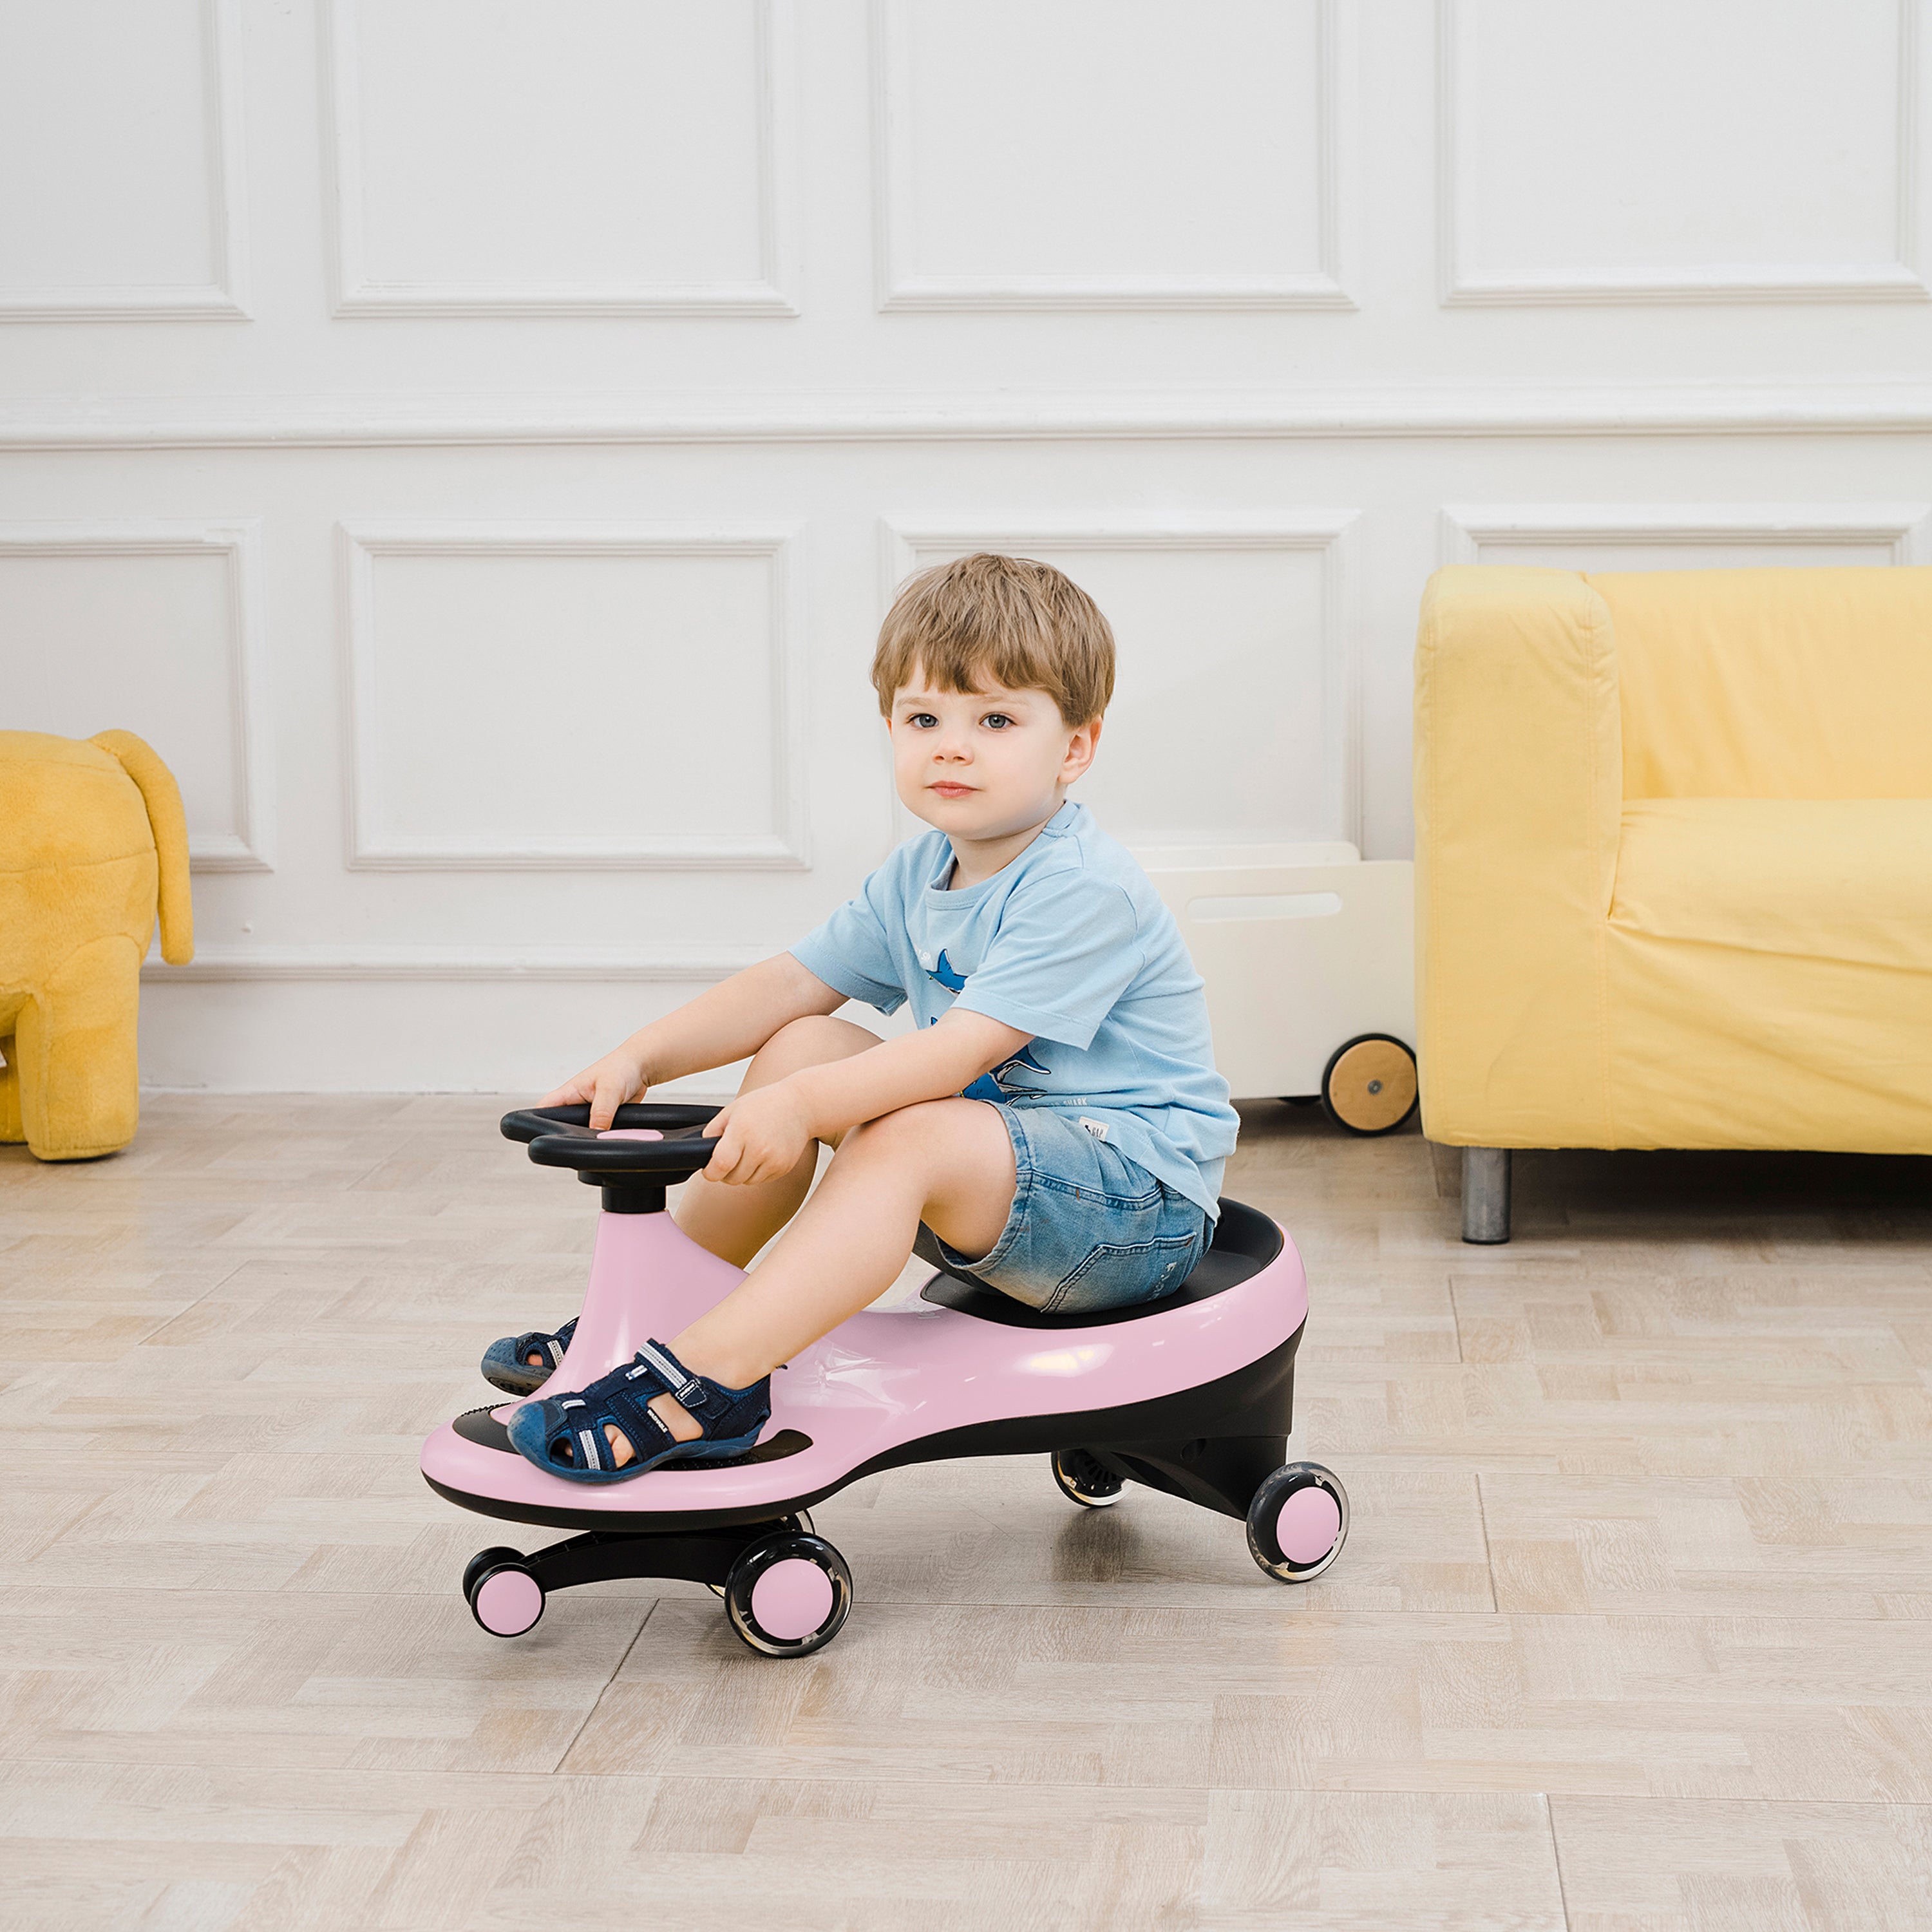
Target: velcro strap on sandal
677	1379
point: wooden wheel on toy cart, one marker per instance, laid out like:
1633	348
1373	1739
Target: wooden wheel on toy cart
1368	1086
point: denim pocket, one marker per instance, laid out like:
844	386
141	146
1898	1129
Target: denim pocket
1118	1274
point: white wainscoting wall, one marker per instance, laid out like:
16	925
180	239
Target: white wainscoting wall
475	445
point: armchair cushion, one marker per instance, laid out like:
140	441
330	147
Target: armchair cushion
1845	879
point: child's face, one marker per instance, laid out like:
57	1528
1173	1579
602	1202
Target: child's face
984	764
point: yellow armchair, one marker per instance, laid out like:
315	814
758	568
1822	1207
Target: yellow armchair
92	845
1673	863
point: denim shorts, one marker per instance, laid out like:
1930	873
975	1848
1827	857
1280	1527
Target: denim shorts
1090	1229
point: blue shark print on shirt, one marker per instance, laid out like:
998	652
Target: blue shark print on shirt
996	1085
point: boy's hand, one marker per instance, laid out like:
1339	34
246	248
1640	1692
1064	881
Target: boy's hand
606	1085
763	1134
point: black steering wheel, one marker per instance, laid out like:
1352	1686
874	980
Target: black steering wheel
646	1149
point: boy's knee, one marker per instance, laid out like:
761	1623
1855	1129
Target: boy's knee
811	1040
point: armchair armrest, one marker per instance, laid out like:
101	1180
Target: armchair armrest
1519	788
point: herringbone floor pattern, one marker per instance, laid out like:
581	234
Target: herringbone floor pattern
1631	1634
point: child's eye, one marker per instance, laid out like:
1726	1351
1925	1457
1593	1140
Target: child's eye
922	718
998	719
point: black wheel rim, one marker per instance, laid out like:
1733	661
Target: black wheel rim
787	1546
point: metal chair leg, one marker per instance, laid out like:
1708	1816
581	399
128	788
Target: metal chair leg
1486	1195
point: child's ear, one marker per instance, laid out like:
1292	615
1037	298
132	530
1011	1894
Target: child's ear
1080	749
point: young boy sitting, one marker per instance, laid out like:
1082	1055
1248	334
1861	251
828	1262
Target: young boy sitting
1055	1120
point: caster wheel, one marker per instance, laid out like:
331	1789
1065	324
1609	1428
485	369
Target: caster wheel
799	1519
789	1594
1368	1086
506	1599
1084	1480
1298	1522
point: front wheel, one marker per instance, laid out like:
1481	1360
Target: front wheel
788	1594
506	1599
1298	1522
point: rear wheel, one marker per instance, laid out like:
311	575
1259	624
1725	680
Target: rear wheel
1084	1480
1298	1522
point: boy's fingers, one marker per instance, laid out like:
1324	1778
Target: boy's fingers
604	1103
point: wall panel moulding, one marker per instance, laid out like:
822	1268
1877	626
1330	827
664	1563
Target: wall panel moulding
586	965
1768	533
1244	202
155	627
123	190
683	667
685	119
318	422
1681	157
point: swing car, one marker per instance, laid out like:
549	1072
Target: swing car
1191	1394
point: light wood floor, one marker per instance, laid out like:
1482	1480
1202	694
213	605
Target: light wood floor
1630	1634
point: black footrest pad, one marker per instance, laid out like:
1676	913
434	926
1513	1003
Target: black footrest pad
480	1426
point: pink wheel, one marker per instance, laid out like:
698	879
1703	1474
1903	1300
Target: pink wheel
791	1599
507	1601
1298	1522
789	1594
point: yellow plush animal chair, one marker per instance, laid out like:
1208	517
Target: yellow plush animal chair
92	842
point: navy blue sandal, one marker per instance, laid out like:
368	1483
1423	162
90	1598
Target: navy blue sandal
507	1366
565	1434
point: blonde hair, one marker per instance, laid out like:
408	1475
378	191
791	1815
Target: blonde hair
1024	623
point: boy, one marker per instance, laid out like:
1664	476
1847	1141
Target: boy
1055	1119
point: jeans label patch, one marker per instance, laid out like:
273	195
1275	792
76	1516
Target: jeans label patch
1098	1129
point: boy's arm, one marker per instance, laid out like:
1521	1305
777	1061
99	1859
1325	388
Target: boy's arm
729	1020
765	1132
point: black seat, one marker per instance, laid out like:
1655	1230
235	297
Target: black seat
1245	1241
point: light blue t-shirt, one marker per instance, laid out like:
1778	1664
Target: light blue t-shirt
1071	943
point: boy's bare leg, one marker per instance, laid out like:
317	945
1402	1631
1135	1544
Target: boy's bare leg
735	1222
949	1163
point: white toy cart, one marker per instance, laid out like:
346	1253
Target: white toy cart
1309	952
